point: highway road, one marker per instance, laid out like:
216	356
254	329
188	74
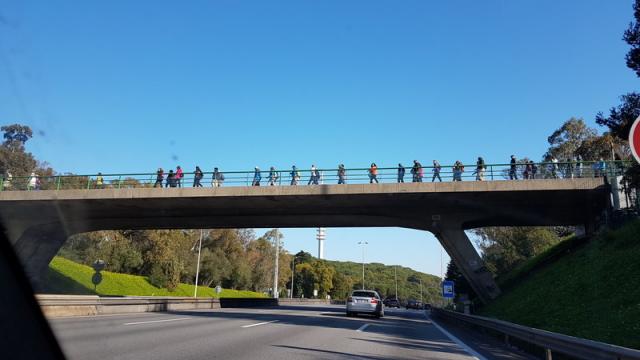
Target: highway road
286	332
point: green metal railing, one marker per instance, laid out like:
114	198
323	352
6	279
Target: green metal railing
491	172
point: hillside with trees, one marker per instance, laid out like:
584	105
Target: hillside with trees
237	259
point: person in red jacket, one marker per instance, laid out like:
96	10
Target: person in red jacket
179	175
373	173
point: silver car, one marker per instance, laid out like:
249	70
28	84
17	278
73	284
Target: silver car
365	302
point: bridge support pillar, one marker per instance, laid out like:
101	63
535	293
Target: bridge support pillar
466	258
36	248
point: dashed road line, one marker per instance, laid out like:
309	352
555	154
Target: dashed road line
258	324
361	328
155	321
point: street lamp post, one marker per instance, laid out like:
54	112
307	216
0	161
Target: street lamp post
421	291
363	243
195	291
293	275
275	270
395	273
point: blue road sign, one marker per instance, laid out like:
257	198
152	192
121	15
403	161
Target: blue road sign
448	291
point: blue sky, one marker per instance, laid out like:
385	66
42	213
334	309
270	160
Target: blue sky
125	86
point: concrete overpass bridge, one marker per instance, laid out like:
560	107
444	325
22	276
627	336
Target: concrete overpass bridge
39	222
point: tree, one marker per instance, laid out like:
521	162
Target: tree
16	135
13	156
342	286
167	254
462	286
621	117
632	37
305	280
565	141
303	257
323	276
504	248
214	267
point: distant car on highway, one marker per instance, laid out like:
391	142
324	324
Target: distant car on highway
365	302
414	304
392	302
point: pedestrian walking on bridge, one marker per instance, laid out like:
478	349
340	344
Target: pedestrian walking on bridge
6	184
171	179
528	171
554	167
480	167
314	177
197	176
257	176
579	166
159	178
217	178
458	169
436	171
99	181
342	174
178	176
273	176
373	173
513	174
295	175
401	171
416	171
34	182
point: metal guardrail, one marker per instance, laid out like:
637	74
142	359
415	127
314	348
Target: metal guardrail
551	342
544	170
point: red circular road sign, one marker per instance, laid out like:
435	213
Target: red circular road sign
634	139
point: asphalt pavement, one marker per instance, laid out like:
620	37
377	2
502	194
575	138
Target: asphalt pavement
285	332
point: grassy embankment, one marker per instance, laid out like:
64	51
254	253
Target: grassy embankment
68	277
589	290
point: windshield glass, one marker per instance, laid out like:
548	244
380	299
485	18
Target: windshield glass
218	178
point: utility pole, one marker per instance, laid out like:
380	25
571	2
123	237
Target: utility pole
275	268
195	291
421	291
293	275
441	275
395	273
363	243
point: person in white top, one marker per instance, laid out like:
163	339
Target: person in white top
33	182
7	181
315	176
554	167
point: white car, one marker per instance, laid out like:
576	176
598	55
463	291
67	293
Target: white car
365	302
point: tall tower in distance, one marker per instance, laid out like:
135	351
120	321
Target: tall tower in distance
320	236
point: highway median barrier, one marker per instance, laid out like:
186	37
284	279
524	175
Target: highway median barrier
87	305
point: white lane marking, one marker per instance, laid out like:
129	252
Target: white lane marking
258	324
466	348
361	328
99	316
155	321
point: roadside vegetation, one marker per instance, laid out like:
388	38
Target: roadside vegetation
592	291
68	277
